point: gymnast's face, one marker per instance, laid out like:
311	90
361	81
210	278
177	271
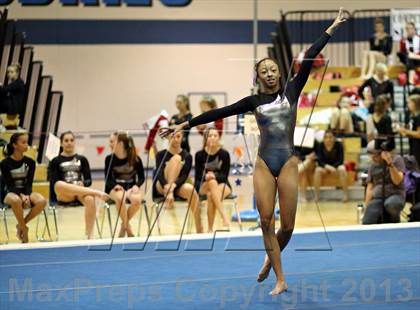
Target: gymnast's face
376	157
379	28
204	106
119	146
411	106
12	73
380	72
181	105
411	30
213	138
329	139
21	144
176	140
68	143
268	74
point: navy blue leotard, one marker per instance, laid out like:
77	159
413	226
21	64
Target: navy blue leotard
275	113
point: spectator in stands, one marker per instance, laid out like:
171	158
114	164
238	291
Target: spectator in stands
184	115
341	120
385	193
17	173
173	166
208	103
12	96
124	175
212	167
70	178
379	124
413	131
409	53
330	157
379	84
306	168
380	46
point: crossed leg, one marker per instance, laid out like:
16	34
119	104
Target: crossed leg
215	193
287	186
37	201
265	186
70	192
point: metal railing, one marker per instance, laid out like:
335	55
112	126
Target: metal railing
347	48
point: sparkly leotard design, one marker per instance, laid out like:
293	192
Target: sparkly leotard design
275	113
275	122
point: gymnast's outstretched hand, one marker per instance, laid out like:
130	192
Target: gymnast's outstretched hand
338	21
166	132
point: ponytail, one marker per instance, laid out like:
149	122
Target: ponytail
131	152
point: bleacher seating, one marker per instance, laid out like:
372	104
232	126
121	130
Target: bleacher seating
43	105
40	100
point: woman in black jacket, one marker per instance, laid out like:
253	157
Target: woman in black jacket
330	156
12	96
380	46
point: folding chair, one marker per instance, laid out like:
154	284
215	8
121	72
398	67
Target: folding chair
143	207
99	226
46	228
158	200
157	207
4	207
6	229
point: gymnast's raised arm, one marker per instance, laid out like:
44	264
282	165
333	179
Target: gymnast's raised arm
301	77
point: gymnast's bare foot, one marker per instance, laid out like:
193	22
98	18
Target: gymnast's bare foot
280	287
24	234
122	232
226	223
129	231
101	195
265	270
18	232
170	201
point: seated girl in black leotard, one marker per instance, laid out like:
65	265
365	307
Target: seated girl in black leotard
173	166
275	167
379	124
69	175
124	175
17	172
330	157
212	166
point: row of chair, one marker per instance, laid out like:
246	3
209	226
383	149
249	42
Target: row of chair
44	232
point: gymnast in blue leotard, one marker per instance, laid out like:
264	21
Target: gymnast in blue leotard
276	167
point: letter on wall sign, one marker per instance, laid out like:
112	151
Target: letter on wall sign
5	2
145	3
76	2
176	2
35	2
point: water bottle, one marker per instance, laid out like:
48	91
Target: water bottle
359	213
